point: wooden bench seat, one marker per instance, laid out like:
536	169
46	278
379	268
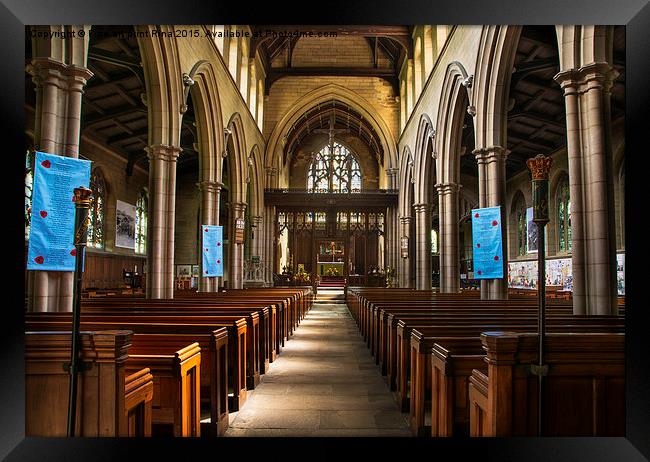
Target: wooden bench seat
584	391
138	400
236	342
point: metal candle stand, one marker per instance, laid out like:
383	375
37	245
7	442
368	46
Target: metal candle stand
539	167
83	198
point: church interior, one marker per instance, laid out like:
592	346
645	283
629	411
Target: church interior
346	168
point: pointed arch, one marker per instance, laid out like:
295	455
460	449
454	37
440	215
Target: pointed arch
209	125
237	159
454	101
274	149
256	178
496	57
405	179
424	161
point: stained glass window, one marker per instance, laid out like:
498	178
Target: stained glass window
564	215
141	223
434	242
96	226
334	169
29	186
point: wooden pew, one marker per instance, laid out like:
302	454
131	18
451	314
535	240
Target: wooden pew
213	373
584	391
416	364
236	342
176	398
138	398
108	401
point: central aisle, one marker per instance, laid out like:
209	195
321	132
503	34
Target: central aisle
324	383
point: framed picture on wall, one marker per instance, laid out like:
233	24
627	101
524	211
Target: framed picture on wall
195	270
183	271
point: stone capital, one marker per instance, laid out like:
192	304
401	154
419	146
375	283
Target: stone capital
593	75
257	219
447	188
271	171
238	207
209	185
163	152
422	208
405	220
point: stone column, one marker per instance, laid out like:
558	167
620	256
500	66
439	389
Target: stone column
59	90
481	161
405	266
449	256
495	158
391	240
423	246
269	244
236	264
162	198
257	242
593	245
209	204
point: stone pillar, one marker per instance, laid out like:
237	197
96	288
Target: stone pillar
236	263
449	256
481	162
209	204
405	266
268	257
495	161
59	90
391	240
423	246
593	244
162	201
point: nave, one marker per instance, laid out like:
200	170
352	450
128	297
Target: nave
324	383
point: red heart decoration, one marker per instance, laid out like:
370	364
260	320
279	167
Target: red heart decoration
73	252
206	271
478	246
218	261
206	230
480	272
46	164
206	249
39	260
496	258
43	213
476	216
494	223
218	244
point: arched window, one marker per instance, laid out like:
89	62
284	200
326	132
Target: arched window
334	169
434	242
520	219
141	223
563	203
96	214
29	186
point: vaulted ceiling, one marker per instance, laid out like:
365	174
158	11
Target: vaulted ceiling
392	41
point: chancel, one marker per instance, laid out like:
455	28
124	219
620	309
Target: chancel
325	230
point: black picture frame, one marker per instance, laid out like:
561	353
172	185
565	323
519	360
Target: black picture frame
635	14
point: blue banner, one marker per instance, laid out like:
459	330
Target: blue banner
212	250
487	243
51	240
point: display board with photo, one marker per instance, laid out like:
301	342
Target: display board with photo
125	225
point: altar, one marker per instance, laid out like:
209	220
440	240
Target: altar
330	268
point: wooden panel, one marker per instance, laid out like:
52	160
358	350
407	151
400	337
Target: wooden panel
104	271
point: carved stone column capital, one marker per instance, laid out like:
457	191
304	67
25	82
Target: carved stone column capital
447	188
593	75
422	208
163	152
209	185
238	208
405	220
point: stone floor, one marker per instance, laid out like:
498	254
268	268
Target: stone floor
324	383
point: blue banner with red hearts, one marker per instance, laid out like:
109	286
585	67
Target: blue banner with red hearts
51	240
487	243
212	250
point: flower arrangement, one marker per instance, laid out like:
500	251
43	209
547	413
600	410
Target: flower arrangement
301	276
390	273
332	271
